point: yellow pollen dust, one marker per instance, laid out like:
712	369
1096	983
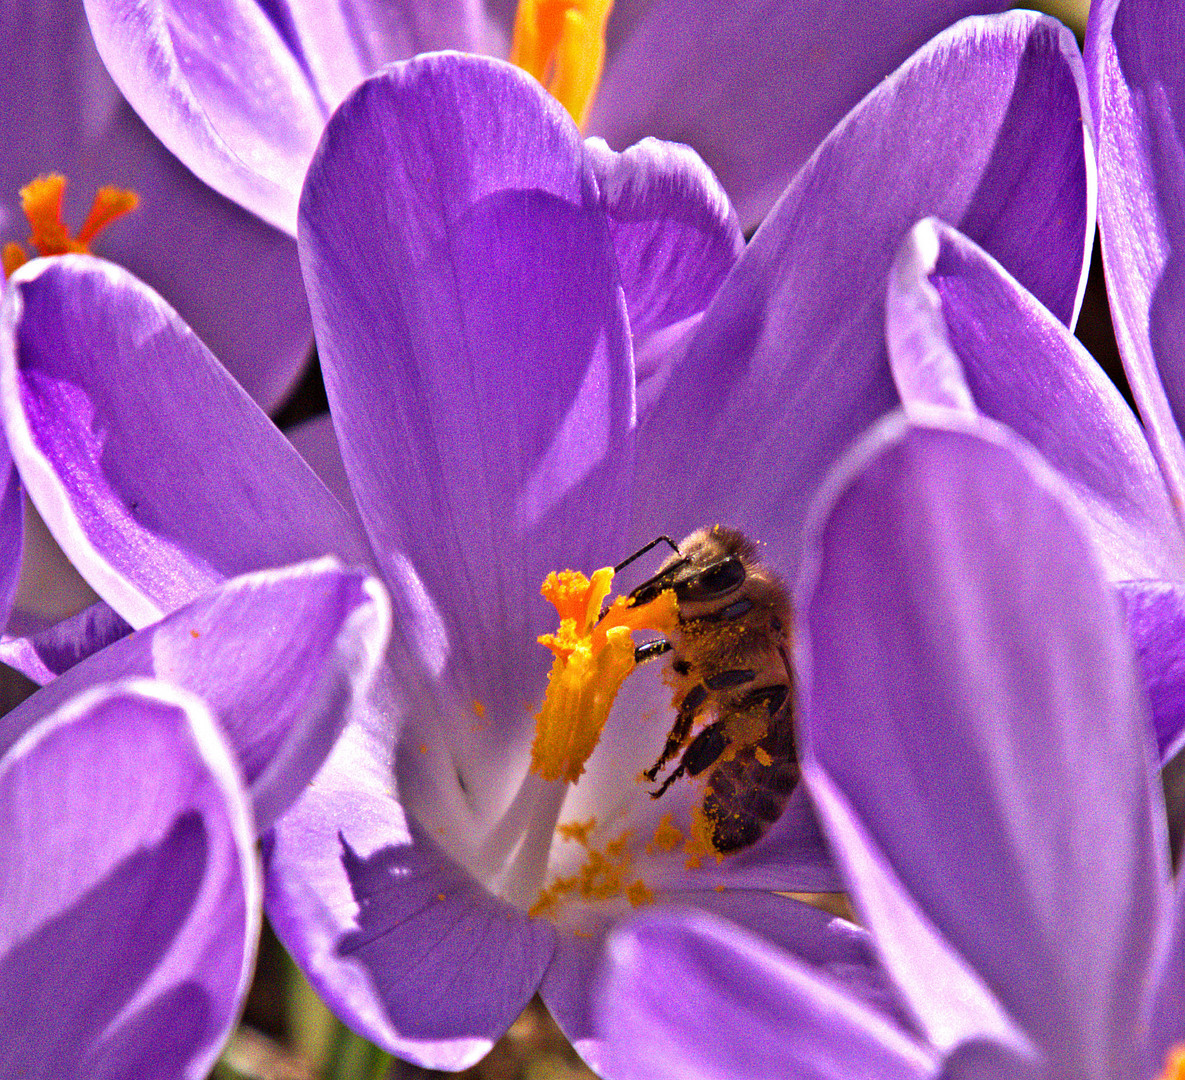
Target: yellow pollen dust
593	656
605	875
562	43
41	201
1174	1065
667	836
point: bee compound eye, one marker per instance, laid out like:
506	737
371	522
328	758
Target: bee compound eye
714	580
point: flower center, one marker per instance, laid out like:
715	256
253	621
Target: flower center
1174	1065
562	43
41	201
593	655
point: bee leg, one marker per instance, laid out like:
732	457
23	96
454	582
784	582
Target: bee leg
704	751
648	650
688	708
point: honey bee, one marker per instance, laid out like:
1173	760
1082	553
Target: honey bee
728	664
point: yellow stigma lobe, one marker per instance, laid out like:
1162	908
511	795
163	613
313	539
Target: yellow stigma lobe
41	201
593	656
562	43
1174	1066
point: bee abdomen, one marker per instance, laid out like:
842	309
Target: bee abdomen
745	797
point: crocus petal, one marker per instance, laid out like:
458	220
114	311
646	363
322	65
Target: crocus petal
473	335
789	362
316	441
248	126
44	654
674	230
247	129
99	375
1156	625
753	93
129	896
830	946
282	657
12	522
1030	374
690	995
233	279
400	942
960	655
1137	79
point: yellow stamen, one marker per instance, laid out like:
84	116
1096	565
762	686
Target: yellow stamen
41	201
593	656
1174	1065
562	43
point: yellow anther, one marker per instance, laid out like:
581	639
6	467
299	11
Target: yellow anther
593	656
41	201
1174	1065
562	43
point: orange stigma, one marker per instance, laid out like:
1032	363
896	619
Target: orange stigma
562	43
593	653
41	200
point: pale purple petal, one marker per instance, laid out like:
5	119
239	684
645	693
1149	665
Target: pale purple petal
961	656
342	42
949	999
156	473
246	127
45	654
691	995
400	942
1137	80
233	279
247	124
1156	625
129	897
755	87
474	340
674	230
789	362
832	947
12	523
956	317
283	659
316	442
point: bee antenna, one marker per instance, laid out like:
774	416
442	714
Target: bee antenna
642	551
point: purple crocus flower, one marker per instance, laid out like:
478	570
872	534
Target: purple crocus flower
539	354
1137	79
131	895
974	733
241	89
129	890
235	280
1032	375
